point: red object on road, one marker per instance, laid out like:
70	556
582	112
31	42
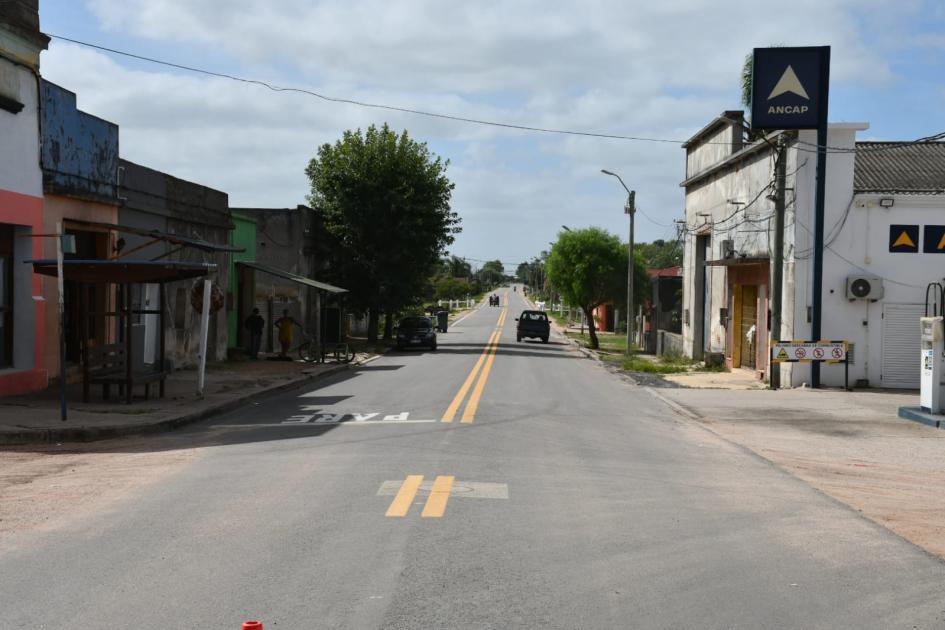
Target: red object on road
252	625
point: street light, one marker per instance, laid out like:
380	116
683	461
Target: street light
629	209
566	228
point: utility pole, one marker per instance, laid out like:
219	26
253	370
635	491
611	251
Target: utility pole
629	209
777	269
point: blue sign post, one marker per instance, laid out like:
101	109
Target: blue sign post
789	90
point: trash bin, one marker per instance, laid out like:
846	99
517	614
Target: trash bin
442	320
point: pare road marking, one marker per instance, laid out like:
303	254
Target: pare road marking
352	418
335	419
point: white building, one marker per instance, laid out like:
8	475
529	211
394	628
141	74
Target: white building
21	199
884	221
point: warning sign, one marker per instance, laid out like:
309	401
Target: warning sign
904	239
807	351
933	241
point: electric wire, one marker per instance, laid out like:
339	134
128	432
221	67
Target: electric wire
418	112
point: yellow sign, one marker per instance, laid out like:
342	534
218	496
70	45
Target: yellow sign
782	354
904	240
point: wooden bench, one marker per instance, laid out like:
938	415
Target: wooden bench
107	365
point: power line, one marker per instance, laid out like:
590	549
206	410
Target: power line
348	101
409	110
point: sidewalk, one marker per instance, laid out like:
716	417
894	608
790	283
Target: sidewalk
851	446
35	419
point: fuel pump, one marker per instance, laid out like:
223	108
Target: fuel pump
932	350
933	360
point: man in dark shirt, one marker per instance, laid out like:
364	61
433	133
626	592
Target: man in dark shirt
254	324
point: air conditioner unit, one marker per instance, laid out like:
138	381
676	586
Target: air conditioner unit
864	288
728	248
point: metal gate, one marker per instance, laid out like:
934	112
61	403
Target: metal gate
901	345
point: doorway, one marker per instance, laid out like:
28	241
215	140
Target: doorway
745	328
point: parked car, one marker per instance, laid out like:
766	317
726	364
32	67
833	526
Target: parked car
416	331
533	324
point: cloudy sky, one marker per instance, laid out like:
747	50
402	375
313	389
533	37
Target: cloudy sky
633	68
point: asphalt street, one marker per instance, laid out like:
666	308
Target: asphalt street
556	496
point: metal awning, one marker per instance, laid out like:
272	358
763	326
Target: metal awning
321	286
174	239
737	260
124	271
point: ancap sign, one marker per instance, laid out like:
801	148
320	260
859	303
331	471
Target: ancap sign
789	87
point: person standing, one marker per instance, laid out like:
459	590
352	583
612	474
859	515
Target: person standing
254	324
285	325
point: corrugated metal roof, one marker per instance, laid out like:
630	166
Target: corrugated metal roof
322	286
900	167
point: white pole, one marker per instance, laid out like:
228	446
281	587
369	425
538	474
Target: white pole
204	329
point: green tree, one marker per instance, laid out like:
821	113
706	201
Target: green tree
458	267
589	268
522	272
491	274
659	254
385	199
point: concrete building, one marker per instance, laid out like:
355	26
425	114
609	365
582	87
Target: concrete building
241	295
153	201
80	185
22	308
285	241
872	191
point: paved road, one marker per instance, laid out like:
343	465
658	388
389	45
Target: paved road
558	497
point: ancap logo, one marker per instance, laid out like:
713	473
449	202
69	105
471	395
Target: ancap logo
788	83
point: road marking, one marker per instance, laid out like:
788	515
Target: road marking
460	490
439	495
408	490
343	423
469	414
338	418
458	400
486	359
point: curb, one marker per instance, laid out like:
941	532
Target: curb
922	417
94	434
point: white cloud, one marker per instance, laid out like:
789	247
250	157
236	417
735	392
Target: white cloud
644	69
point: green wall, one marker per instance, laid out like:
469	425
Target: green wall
243	235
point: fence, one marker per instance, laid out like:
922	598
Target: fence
668	343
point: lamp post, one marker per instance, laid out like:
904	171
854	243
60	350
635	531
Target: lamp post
629	209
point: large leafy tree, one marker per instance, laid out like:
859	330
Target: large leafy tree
491	274
589	268
458	267
660	254
385	198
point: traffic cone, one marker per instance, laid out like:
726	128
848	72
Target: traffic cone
252	625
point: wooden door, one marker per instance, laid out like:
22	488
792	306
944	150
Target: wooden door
749	320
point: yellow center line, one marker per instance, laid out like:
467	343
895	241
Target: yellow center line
439	495
458	400
469	414
484	359
408	490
